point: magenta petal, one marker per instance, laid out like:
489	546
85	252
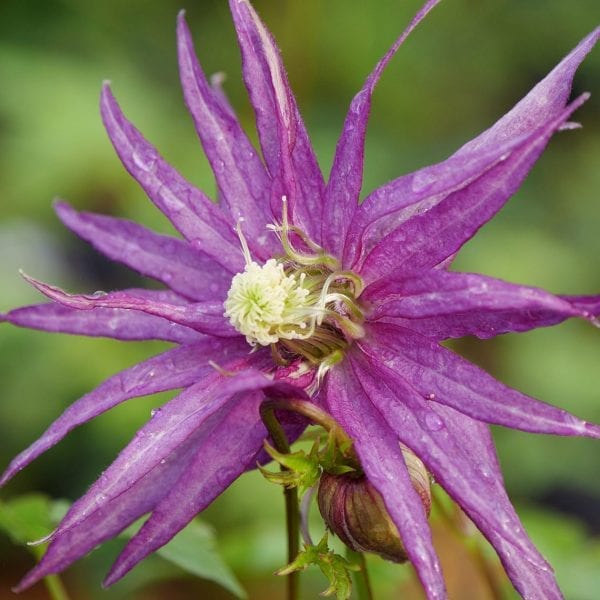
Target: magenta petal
119	324
379	452
430	237
467	480
286	147
345	181
221	457
115	514
205	317
440	375
531	580
176	368
191	212
387	207
442	304
184	268
243	183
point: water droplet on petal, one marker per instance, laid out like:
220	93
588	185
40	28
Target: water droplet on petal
433	422
155	411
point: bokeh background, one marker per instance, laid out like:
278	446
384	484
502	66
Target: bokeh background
463	68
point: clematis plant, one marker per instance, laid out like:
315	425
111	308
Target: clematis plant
289	289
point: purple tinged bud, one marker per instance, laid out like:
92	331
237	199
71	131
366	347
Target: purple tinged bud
354	510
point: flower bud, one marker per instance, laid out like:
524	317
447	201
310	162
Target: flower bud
354	510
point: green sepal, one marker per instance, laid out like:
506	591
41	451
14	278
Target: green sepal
335	567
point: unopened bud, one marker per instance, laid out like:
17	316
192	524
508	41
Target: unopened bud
354	510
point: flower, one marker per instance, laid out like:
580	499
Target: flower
291	288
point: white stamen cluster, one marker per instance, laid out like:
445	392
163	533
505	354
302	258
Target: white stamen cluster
265	304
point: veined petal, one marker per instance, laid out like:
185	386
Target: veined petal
345	181
241	177
206	317
182	267
221	457
287	150
440	375
116	323
192	213
429	237
531	580
421	429
114	514
387	207
176	368
381	458
441	304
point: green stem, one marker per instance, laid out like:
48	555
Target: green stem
292	511
362	583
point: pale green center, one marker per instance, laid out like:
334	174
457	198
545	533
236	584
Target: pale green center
265	304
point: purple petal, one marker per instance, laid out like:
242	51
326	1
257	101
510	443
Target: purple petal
206	317
544	102
389	206
430	237
119	324
345	181
532	581
178	367
109	519
379	452
221	457
241	177
467	480
440	375
286	148
191	212
441	304
185	269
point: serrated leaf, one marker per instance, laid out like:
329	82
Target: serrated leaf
193	549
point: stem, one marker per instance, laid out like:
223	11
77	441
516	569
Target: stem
292	512
314	414
362	583
55	587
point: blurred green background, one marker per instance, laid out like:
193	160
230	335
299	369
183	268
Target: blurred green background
462	69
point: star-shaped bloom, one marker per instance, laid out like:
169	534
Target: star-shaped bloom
293	288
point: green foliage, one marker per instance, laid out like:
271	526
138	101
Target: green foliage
335	567
32	517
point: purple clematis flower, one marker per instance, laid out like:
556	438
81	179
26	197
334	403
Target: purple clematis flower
342	304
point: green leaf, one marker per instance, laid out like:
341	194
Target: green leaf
335	567
193	549
26	518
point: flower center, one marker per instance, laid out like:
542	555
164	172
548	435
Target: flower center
301	303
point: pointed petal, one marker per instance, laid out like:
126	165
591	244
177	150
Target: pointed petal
441	304
387	207
421	429
116	323
440	375
286	148
206	317
241	177
381	458
117	513
531	581
545	101
430	237
199	220
221	457
184	268
176	368
345	181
